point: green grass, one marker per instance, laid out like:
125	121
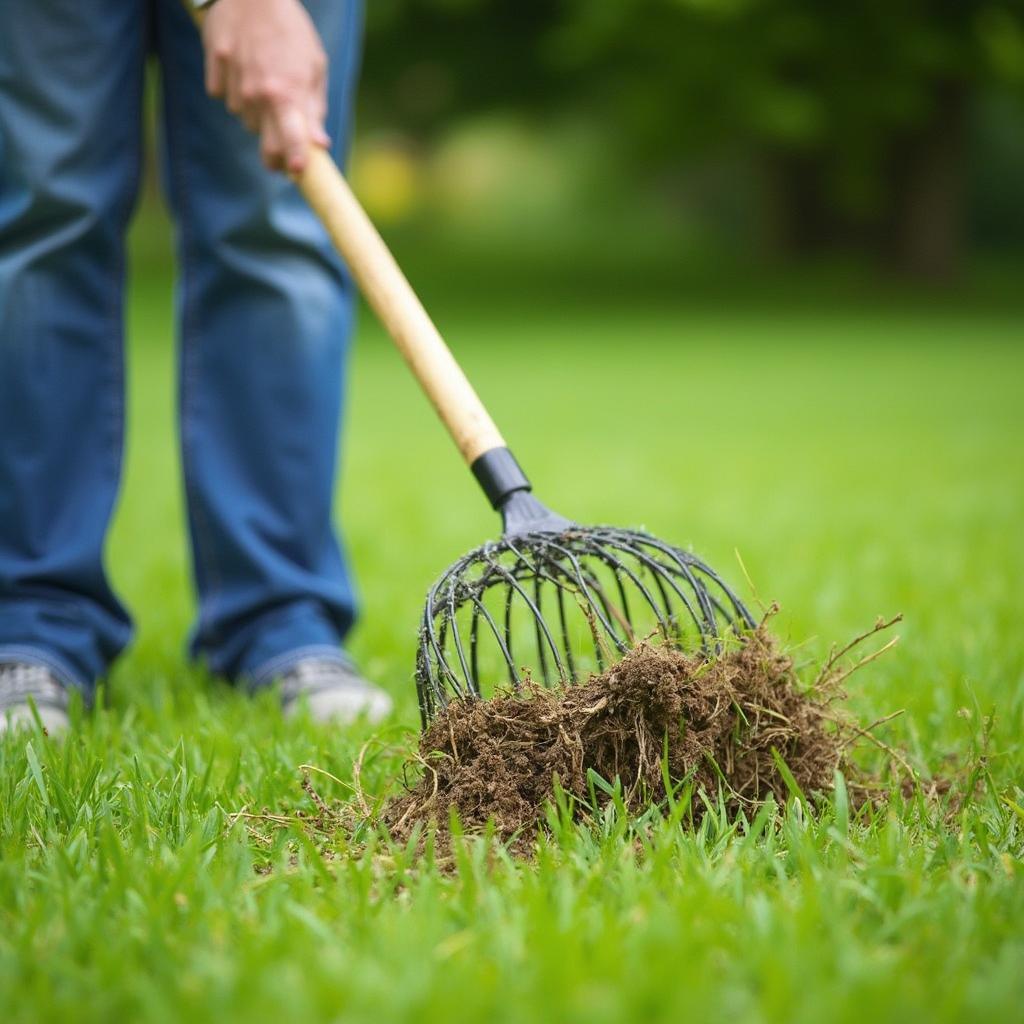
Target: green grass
863	460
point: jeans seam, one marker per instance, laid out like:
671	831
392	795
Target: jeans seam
353	70
189	369
116	337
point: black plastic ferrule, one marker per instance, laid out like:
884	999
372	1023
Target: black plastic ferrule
499	475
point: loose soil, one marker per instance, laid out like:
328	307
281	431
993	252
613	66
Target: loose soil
723	723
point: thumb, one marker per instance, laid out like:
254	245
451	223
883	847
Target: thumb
316	112
293	130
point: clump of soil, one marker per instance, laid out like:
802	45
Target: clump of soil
723	723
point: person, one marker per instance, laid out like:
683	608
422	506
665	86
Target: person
263	307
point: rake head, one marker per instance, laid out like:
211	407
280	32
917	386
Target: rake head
552	602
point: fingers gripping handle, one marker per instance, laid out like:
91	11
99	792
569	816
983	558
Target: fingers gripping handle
392	298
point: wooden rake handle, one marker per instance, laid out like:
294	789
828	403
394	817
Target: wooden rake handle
393	300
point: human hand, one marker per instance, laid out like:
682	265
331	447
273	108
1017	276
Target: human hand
264	58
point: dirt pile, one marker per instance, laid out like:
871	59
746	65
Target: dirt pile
719	723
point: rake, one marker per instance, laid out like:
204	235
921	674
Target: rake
551	600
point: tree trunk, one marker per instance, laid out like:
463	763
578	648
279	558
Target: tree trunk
923	235
800	221
917	229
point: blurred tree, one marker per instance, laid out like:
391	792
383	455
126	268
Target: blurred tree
856	114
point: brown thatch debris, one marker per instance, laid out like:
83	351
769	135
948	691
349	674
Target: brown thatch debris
723	723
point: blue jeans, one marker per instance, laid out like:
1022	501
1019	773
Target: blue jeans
264	310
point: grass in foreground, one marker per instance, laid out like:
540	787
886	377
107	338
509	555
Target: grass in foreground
863	463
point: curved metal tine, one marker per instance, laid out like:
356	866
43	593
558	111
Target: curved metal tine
670	622
513	672
618	565
433	693
675	631
706	623
625	619
425	700
591	612
532	568
611	611
739	610
738	606
437	643
699	587
541	655
687	565
611	614
457	637
481	609
618	538
474	643
436	603
512	581
574	562
442	637
596	610
669	619
625	607
425	681
566	641
729	617
428	635
555	574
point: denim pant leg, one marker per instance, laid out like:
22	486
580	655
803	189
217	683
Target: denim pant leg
71	75
265	312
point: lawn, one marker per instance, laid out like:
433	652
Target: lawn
862	457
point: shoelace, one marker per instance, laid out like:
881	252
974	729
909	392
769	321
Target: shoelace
19	681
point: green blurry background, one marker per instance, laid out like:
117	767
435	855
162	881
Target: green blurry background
755	129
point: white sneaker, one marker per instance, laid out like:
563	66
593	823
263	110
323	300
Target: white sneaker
20	680
333	691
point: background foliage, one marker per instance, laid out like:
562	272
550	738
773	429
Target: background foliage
890	128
